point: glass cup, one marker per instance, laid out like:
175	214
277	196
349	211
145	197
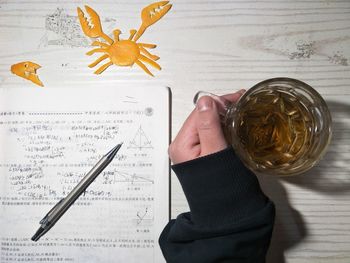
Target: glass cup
281	126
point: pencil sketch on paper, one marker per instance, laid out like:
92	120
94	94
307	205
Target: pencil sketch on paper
126	52
338	59
304	50
62	29
140	140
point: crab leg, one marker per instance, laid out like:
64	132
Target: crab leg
95	50
116	34
103	67
141	65
98	43
147	45
143	50
150	61
132	33
98	61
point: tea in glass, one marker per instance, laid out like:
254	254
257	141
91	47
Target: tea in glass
281	126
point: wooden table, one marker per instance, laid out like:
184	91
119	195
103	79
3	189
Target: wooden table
220	46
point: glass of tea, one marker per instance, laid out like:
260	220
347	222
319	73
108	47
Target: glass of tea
281	126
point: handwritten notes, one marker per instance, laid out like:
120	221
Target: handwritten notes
50	140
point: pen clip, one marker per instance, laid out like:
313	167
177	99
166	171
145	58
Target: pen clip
44	220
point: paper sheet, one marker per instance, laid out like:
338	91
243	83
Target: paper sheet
50	138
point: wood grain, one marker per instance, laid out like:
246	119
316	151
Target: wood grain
220	46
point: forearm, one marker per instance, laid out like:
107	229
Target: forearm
231	220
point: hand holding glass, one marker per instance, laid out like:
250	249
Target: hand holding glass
280	126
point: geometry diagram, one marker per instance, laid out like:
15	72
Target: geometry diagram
140	140
123	177
126	52
143	218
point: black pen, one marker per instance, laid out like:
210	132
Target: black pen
62	206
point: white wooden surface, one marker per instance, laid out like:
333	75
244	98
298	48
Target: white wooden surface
219	46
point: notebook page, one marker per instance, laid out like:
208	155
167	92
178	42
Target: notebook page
50	138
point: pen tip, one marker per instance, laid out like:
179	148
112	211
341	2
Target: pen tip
38	234
111	154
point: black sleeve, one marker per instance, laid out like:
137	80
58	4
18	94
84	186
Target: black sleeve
230	218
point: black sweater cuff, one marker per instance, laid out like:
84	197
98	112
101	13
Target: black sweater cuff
219	188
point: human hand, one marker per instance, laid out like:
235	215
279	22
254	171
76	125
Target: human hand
201	134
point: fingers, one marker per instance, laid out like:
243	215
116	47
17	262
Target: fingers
189	125
201	133
233	97
208	125
185	146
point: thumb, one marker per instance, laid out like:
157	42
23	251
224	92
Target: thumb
208	126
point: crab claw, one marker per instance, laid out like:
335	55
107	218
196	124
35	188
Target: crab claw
27	70
151	14
92	29
92	26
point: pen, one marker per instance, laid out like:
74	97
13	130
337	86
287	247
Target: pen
62	206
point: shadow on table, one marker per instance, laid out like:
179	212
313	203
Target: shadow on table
289	228
330	177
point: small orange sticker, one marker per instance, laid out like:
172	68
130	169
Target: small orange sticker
27	70
125	52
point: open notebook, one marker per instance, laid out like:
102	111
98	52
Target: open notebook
50	138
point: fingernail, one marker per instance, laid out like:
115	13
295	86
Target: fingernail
241	91
204	104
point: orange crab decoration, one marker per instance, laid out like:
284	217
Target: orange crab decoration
125	52
27	70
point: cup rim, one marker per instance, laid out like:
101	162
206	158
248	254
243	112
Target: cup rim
326	114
